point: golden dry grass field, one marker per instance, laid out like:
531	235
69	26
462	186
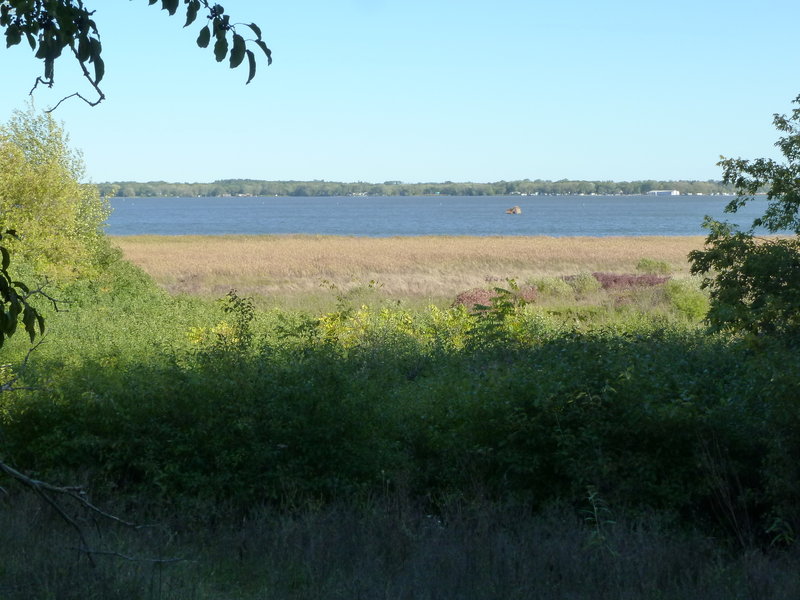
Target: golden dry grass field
282	269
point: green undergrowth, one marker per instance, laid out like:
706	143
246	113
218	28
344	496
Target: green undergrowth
185	404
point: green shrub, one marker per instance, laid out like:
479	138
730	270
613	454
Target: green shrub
687	298
583	284
653	267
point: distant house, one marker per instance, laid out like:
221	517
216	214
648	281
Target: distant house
663	193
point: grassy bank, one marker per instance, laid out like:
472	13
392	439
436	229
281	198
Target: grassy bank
287	270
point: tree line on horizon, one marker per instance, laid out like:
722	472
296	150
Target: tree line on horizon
254	187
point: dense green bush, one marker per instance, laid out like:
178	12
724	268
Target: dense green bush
687	298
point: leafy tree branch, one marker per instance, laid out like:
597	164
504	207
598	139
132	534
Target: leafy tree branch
14	305
51	27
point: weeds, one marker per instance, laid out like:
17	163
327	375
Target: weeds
343	551
599	519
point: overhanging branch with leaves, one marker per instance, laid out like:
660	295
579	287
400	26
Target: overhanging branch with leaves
52	26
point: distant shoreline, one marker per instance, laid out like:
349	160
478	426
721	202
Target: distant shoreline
320	188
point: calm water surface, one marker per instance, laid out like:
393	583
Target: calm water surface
428	215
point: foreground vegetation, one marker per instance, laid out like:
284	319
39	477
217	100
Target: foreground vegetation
440	437
391	550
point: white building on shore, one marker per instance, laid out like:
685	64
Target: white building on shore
663	193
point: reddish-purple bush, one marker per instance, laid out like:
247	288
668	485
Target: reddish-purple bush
475	297
483	297
615	281
528	293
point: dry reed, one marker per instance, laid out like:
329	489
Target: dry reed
417	268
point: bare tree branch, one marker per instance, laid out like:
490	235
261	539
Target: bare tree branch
100	95
162	561
89	102
77	493
48	82
40	292
8	386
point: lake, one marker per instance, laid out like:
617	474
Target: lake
424	215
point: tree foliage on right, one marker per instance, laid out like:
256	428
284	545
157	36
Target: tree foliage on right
754	282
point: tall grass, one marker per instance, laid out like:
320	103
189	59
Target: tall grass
287	270
385	550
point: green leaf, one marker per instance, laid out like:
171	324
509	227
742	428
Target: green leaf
256	29
13	36
170	6
237	52
6	258
95	48
44	45
220	49
99	69
251	58
31	40
84	49
266	50
204	37
219	30
29	320
21	286
191	12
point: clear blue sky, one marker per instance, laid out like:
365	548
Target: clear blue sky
376	90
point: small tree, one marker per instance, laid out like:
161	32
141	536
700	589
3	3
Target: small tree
754	282
59	219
